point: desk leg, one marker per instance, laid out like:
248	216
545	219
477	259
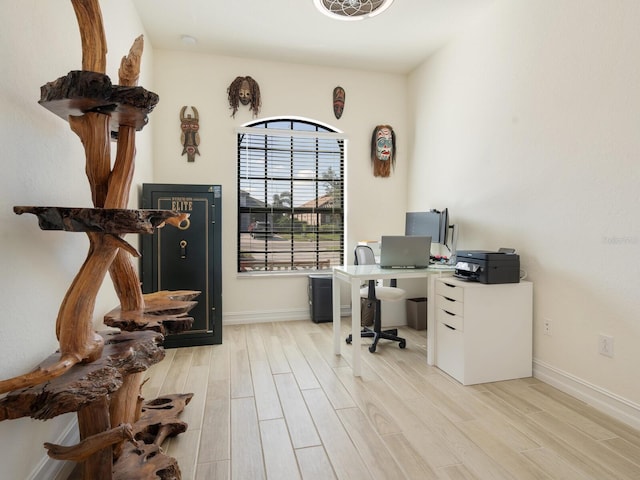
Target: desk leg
356	340
335	298
431	322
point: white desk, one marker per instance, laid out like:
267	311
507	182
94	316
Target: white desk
354	275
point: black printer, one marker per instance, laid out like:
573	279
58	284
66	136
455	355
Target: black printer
488	267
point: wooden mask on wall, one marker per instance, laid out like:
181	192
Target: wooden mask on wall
245	91
190	137
338	101
383	150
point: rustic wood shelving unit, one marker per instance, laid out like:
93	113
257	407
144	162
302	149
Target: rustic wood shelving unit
99	375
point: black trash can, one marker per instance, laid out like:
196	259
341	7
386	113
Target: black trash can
320	298
417	313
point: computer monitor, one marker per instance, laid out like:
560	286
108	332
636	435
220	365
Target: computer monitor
444	227
426	224
436	225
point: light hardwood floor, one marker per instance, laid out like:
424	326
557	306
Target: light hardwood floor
274	402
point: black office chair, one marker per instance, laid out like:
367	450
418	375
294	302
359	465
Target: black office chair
372	296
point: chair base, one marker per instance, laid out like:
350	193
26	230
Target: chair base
391	334
376	332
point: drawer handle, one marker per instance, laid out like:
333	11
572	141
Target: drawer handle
449	299
449	313
449	327
449	285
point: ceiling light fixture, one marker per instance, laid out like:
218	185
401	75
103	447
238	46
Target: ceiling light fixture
352	9
188	40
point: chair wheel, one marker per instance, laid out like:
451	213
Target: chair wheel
348	340
372	348
402	344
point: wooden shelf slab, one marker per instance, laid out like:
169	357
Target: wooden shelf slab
164	312
81	92
124	353
145	462
102	220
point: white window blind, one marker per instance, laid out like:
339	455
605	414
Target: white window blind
290	196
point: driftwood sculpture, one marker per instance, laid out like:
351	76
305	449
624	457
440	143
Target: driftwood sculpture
99	375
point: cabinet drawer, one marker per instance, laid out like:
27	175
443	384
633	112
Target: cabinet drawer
449	319
450	305
449	290
450	352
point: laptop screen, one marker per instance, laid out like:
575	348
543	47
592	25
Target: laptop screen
411	251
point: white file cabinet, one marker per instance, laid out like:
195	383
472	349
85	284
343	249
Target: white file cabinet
484	332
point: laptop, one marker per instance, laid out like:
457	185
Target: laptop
408	251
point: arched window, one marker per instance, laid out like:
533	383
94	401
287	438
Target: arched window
290	196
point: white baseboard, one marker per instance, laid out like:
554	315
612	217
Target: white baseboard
50	469
618	407
266	316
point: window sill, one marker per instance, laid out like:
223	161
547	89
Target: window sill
287	273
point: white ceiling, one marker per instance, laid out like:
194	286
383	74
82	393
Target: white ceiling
395	41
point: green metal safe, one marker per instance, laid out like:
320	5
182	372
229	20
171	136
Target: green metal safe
188	257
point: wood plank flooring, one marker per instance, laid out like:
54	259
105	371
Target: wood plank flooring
274	402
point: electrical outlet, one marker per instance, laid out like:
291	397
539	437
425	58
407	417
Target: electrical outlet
546	326
605	345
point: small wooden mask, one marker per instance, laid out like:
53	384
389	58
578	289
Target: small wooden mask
338	101
190	138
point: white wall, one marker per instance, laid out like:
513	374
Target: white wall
43	164
374	205
526	127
